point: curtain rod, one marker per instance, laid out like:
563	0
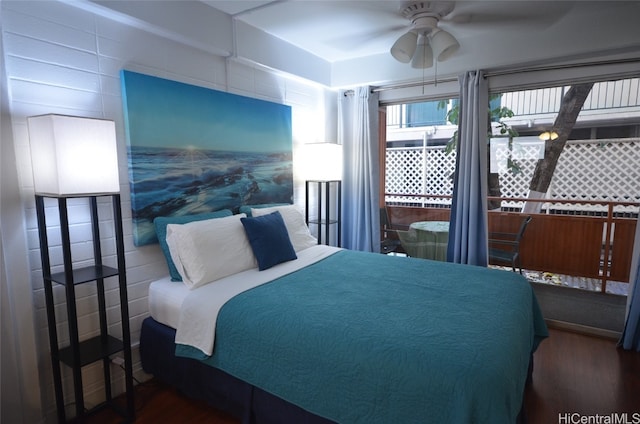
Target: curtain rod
512	71
413	84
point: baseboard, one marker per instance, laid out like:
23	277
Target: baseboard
583	329
587	310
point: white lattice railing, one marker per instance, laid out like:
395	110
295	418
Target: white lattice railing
421	171
595	170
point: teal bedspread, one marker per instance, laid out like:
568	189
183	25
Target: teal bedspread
368	338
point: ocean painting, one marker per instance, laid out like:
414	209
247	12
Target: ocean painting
193	150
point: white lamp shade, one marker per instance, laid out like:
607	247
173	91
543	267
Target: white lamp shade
322	161
404	48
444	45
73	156
423	57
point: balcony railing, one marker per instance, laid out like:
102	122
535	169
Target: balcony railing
595	247
610	96
604	95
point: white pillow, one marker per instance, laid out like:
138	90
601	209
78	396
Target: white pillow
205	251
299	233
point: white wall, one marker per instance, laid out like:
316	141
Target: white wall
61	59
19	402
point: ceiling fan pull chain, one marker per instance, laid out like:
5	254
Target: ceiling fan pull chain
435	76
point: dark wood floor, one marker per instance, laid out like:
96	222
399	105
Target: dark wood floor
573	373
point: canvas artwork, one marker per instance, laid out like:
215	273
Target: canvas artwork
193	150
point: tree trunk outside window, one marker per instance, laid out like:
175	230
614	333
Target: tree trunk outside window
570	108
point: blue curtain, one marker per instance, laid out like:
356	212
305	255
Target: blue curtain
631	334
468	227
358	134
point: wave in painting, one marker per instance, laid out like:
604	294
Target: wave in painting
175	182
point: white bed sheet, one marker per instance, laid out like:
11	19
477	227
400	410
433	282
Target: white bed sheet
165	300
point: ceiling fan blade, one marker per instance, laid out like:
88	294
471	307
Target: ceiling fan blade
358	39
508	13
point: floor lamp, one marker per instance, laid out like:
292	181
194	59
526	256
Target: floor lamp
76	157
323	186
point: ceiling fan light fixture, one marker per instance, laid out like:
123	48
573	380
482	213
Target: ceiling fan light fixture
404	48
423	57
444	45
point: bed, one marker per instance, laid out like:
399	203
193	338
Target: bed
334	335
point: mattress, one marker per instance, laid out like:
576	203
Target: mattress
165	300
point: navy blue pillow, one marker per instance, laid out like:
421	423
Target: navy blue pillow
269	239
161	223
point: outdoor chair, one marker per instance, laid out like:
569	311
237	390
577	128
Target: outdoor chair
505	247
389	241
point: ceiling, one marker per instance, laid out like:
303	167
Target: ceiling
337	30
342	43
502	32
332	30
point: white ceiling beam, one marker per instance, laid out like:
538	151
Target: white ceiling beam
192	23
264	49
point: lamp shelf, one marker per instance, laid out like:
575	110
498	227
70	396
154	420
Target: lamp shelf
85	275
92	350
328	195
323	221
99	348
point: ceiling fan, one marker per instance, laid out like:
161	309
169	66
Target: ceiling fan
424	41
